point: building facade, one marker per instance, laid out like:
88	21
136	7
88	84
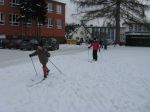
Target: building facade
11	27
137	34
108	33
81	34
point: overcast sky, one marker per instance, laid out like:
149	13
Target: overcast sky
71	9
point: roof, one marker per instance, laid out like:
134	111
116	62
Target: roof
83	27
76	29
138	33
57	2
146	23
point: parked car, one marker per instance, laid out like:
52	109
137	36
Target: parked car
29	44
50	43
13	43
5	43
2	40
2	43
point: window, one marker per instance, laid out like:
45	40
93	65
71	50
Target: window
1	2
50	22
101	30
139	28
13	19
29	22
135	27
40	24
130	27
13	2
82	33
142	28
59	9
50	7
59	23
1	18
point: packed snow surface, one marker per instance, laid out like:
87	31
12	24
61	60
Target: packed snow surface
118	82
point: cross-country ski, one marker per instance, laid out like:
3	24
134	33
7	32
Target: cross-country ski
34	83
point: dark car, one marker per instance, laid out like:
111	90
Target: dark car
2	43
13	43
29	44
50	43
5	42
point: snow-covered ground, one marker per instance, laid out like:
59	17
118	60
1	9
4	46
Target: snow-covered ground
13	57
118	82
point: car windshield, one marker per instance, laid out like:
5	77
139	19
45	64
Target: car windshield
25	41
53	39
34	41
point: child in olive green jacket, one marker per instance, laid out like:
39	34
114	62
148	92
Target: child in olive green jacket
43	58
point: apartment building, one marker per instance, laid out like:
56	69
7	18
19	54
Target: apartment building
11	27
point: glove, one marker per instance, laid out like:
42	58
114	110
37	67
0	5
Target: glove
30	55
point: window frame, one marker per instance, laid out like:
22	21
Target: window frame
50	7
13	19
59	9
59	24
1	2
50	22
29	22
130	27
12	3
2	18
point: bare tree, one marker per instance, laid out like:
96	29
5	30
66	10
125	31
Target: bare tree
113	11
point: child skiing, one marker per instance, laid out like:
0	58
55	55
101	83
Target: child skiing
43	57
96	46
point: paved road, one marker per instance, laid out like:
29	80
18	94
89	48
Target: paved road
13	57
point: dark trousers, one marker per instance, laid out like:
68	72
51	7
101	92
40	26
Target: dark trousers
105	47
95	55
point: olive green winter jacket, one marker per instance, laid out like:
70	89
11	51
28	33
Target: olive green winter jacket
42	55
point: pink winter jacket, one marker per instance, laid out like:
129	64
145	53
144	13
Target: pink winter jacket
95	45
